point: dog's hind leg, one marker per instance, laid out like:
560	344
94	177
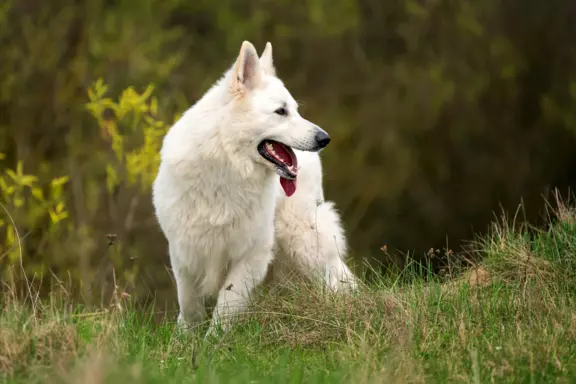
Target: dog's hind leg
311	243
245	275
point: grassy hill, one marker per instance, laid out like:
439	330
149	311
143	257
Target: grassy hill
511	318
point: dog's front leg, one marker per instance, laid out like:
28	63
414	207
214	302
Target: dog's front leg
191	303
242	278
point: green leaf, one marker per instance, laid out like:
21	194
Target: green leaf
59	181
38	194
28	180
59	207
111	178
91	95
12	174
20	169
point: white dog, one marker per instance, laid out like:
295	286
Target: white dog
218	200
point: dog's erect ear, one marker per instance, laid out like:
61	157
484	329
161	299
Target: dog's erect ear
247	71
266	61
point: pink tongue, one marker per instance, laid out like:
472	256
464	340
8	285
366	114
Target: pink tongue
289	186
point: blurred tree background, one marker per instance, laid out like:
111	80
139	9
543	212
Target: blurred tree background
442	112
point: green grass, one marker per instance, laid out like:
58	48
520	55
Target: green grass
510	319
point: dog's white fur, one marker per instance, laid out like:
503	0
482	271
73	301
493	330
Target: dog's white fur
219	204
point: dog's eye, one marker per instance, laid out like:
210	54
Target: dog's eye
281	111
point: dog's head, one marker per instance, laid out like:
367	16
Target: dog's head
266	118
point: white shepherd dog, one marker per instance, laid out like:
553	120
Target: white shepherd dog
218	200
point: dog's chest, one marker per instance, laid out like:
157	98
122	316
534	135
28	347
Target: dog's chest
225	204
212	209
227	223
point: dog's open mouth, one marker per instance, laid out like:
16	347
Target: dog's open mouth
284	158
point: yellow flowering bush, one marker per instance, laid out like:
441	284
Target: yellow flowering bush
30	203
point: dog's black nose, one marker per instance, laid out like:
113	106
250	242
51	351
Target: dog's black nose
322	138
